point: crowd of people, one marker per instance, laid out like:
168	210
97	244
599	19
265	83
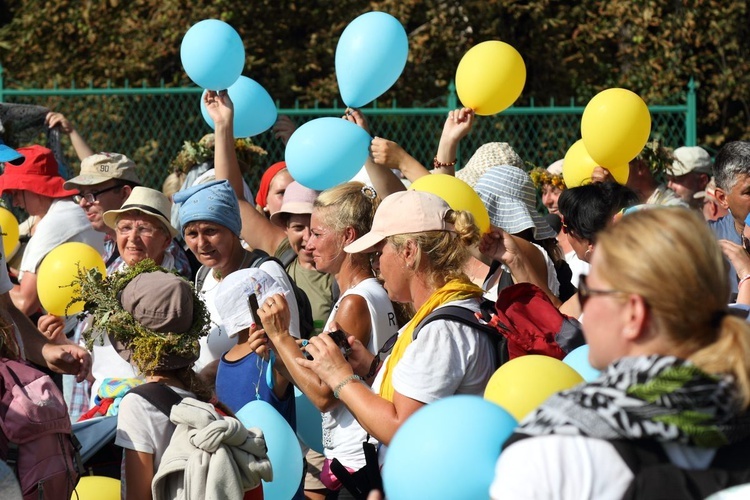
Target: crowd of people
332	293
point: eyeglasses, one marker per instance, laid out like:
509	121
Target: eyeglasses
143	230
91	195
585	293
376	360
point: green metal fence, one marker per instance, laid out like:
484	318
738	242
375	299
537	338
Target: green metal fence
150	124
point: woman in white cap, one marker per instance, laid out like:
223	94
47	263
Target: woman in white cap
420	258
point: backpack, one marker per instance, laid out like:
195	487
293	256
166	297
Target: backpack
256	258
656	477
35	433
522	321
161	396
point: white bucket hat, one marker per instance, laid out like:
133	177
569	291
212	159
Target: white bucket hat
148	201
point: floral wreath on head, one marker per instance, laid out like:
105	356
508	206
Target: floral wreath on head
196	153
541	176
657	157
101	296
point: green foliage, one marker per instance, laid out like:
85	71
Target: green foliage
571	49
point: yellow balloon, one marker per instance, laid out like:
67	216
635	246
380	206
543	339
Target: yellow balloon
490	77
456	193
97	488
58	270
523	383
9	229
615	126
578	167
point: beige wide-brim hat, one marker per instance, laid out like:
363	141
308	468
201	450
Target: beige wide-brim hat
148	201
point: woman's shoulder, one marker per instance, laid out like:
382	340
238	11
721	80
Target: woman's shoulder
560	467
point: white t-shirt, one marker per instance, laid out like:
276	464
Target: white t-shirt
342	434
64	222
556	467
142	427
577	267
446	358
218	342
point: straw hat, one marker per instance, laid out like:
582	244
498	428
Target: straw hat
145	200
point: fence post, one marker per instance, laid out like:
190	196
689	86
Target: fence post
2	84
691	118
452	100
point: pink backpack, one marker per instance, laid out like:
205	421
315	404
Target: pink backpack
35	434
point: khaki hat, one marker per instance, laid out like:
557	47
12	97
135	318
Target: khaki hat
102	167
148	201
404	212
690	159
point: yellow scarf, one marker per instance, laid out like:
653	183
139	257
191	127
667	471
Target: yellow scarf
453	290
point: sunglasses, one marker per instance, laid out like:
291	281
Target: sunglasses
376	360
585	293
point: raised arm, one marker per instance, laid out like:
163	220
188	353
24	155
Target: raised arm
257	230
83	150
456	127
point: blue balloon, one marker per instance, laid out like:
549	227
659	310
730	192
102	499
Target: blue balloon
462	435
283	449
370	57
309	422
578	359
325	152
254	110
212	54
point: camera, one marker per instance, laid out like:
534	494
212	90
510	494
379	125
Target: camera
338	336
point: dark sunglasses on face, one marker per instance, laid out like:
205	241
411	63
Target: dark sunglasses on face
585	293
376	360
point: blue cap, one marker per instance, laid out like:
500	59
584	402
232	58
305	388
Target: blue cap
213	201
10	155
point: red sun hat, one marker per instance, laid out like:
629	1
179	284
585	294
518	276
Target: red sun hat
38	174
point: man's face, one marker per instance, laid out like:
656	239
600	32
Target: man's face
685	186
737	200
107	196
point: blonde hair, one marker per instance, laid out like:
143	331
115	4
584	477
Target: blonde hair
669	257
172	183
351	204
446	252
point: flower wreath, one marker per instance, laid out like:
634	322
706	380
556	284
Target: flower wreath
540	176
101	296
195	153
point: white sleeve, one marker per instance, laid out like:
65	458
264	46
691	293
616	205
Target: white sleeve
5	284
560	468
277	273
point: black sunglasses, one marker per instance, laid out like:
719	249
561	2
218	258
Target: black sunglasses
376	360
585	293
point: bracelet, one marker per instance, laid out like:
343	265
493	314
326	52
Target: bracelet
744	279
439	164
341	385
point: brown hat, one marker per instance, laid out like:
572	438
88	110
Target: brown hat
102	167
163	303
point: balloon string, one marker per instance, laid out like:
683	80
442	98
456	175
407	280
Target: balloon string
259	366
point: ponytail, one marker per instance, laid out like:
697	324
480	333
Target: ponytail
729	353
195	384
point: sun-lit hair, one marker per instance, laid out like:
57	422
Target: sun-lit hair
446	252
669	257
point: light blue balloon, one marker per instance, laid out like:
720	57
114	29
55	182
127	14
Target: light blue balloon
309	421
325	152
370	57
254	110
212	54
578	359
283	449
447	449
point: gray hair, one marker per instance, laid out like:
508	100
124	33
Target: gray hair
732	160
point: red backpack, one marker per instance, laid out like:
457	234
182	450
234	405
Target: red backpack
35	433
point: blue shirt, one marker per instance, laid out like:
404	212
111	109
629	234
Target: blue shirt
236	383
724	230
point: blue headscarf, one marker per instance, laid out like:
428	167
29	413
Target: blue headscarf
213	201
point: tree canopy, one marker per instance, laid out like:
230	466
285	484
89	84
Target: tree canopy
571	50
